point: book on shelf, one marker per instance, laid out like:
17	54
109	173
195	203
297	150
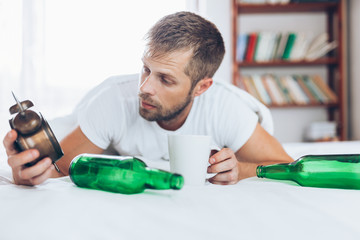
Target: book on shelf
318	41
241	43
321	51
289	92
269	46
261	46
289	46
300	46
264	1
283	1
307	91
318	93
275	47
284	91
253	1
275	90
281	45
319	47
250	49
250	87
259	85
312	1
325	88
300	96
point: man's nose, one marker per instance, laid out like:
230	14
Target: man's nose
147	85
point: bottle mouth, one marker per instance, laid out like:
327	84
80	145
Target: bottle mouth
259	171
176	181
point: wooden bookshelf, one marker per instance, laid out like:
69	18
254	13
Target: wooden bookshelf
333	62
286	8
277	63
329	105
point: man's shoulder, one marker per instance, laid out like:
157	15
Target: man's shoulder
226	94
111	89
122	81
221	97
225	90
121	86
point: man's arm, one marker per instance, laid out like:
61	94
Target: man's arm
260	149
75	143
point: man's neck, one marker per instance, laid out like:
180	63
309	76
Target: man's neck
177	122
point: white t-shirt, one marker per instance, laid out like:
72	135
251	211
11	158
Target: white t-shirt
111	117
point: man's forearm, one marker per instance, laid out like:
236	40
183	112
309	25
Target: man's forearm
56	174
246	170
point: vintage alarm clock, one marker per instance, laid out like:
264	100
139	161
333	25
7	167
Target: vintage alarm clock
34	132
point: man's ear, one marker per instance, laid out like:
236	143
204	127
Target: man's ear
202	86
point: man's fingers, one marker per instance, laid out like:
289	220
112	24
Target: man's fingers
225	164
222	166
220	156
222	183
225	178
22	158
41	178
33	175
8	142
217	182
38	169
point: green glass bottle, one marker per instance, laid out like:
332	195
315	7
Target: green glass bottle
325	171
120	174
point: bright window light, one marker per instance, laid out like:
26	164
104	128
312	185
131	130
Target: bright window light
87	41
53	52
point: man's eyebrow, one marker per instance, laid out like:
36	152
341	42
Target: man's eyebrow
170	76
161	74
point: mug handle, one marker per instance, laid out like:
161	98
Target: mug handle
214	149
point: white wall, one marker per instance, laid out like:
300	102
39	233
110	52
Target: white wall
289	123
219	12
354	36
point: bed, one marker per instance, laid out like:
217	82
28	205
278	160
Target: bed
252	209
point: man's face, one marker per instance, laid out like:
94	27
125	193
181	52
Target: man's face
165	90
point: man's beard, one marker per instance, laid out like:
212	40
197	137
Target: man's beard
162	114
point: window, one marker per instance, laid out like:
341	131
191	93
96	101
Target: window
53	52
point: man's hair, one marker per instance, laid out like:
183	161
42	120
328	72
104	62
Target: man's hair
188	31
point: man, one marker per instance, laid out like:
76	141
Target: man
174	95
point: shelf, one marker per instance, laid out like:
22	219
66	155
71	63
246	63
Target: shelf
280	63
286	8
328	105
335	63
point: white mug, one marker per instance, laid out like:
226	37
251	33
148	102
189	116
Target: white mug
189	156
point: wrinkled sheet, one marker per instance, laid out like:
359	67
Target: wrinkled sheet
252	209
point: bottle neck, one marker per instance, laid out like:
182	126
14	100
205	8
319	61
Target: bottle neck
158	179
276	171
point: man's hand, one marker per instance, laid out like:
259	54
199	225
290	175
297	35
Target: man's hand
33	175
226	165
260	149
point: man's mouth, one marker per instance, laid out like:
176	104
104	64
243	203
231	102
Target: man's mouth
147	105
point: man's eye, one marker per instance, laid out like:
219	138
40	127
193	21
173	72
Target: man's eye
145	69
163	80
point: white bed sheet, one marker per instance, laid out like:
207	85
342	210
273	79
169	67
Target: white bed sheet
252	209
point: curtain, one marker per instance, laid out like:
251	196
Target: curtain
53	52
